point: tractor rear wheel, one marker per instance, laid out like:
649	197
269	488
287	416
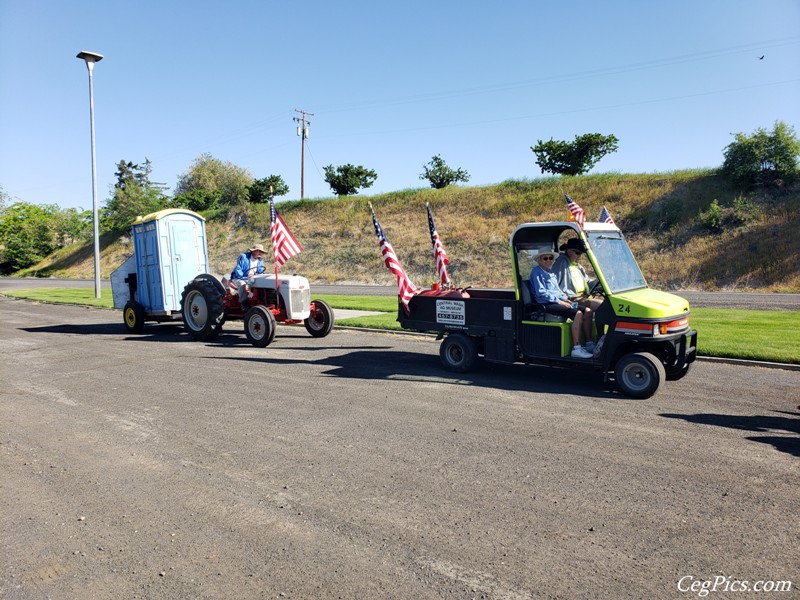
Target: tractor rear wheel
259	326
201	309
133	315
320	321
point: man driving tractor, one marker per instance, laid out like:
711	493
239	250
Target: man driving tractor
248	264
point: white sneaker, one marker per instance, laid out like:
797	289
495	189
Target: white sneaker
578	352
589	346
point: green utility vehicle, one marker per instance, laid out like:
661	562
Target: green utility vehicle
643	335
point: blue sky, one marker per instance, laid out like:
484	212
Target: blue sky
390	85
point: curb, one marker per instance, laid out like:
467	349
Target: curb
743	362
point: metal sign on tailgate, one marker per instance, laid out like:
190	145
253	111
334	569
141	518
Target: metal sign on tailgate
450	312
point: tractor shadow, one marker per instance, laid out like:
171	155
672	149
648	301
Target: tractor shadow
162	332
770	424
379	363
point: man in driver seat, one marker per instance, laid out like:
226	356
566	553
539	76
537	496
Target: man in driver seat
248	264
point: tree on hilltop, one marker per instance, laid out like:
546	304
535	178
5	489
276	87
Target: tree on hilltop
573	158
212	183
439	175
260	189
764	158
346	180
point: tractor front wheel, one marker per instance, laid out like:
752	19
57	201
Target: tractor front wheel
320	321
259	326
202	310
133	315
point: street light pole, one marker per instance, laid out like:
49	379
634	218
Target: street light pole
91	58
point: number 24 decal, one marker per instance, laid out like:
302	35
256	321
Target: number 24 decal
623	307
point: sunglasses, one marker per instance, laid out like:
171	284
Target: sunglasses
547	258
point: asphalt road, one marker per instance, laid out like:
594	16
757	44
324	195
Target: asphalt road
353	466
742	300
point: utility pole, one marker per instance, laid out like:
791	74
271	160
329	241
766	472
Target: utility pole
302	131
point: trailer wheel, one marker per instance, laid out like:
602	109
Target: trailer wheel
677	373
133	315
458	352
639	374
320	321
259	326
202	310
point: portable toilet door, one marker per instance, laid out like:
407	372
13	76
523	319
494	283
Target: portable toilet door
170	249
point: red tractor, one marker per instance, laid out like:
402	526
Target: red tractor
206	303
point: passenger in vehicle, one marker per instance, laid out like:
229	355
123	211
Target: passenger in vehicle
572	278
546	292
248	263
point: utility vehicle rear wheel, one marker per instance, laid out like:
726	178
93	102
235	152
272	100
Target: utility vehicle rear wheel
639	374
133	315
458	352
201	309
320	321
259	326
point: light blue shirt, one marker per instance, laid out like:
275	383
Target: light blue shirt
544	285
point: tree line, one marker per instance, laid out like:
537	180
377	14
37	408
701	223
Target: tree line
29	233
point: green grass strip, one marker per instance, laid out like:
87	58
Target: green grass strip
748	334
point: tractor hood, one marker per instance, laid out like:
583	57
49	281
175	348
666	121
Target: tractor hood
648	303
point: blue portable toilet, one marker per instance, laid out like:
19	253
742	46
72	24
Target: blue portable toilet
169	251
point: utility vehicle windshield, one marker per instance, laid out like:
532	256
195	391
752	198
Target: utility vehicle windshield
616	261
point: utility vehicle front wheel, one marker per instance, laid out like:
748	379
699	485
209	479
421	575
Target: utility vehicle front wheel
639	374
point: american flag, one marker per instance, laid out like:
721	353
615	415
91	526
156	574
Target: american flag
438	250
605	217
284	244
406	289
578	214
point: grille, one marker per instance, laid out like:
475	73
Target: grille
299	300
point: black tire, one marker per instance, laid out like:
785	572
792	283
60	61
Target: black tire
677	373
458	353
133	316
259	326
202	310
320	322
639	374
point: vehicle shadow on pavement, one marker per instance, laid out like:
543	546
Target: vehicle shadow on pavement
790	444
415	367
161	333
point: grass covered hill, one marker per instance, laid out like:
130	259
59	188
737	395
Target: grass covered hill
688	230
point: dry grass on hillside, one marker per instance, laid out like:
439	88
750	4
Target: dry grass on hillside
657	212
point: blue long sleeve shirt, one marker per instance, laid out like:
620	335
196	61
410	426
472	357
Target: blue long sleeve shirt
242	269
545	288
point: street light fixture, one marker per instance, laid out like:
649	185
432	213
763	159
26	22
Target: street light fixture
91	58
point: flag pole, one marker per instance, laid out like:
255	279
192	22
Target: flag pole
274	257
